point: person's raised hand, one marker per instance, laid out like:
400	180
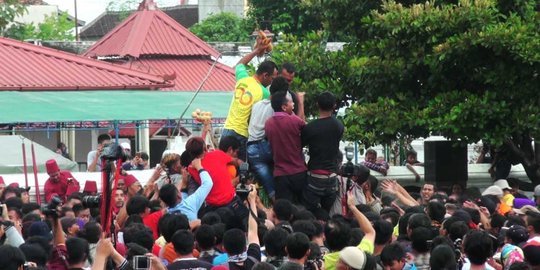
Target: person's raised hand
155	262
252	196
351	200
104	247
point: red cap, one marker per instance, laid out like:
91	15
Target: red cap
130	180
14	185
90	186
2	180
51	166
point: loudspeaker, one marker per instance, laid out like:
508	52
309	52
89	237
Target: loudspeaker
445	163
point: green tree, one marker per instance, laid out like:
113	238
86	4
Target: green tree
225	26
288	17
54	27
468	71
9	9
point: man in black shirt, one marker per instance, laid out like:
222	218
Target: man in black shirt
322	136
183	242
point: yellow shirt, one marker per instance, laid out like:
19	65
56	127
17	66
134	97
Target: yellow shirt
331	259
247	92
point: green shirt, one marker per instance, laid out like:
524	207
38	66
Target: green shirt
331	259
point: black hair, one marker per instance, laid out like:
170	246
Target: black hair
305	226
219	230
182	241
478	246
103	137
411	153
457	230
228	218
34	253
205	237
11	258
474	213
234	241
384	230
185	159
356	237
75	195
29	207
326	101
78	250
392	252
533	219
436	211
443	257
42	242
283	209
337	234
210	218
279	84
136	205
390	213
13	202
297	245
173	223
135	250
228	142
168	193
275	241
512	220
139	234
155	205
441	240
91	232
418	220
419	239
133	219
266	67
403	223
289	67
278	99
304	215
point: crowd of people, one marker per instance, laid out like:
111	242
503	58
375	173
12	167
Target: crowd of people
200	211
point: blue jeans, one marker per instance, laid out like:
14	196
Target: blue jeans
243	140
261	162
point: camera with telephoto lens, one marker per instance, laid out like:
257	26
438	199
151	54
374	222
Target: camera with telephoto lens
91	201
242	189
113	151
50	209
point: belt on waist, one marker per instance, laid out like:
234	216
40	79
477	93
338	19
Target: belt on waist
254	142
321	176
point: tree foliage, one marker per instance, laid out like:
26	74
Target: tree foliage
288	17
468	71
54	27
225	26
9	9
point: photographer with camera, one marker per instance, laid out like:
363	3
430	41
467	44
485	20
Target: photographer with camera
60	183
93	161
354	178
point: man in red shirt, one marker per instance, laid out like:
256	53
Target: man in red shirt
283	131
60	183
217	163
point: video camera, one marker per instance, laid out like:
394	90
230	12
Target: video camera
242	189
91	201
51	209
113	152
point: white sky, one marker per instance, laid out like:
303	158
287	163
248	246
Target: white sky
88	10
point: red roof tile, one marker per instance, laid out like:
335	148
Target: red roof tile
29	67
189	73
150	32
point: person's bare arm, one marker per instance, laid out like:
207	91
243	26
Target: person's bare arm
58	233
301	114
93	165
253	237
394	188
363	222
257	51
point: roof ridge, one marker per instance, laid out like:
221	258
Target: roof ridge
77	59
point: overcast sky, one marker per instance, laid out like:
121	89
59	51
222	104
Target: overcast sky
88	10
